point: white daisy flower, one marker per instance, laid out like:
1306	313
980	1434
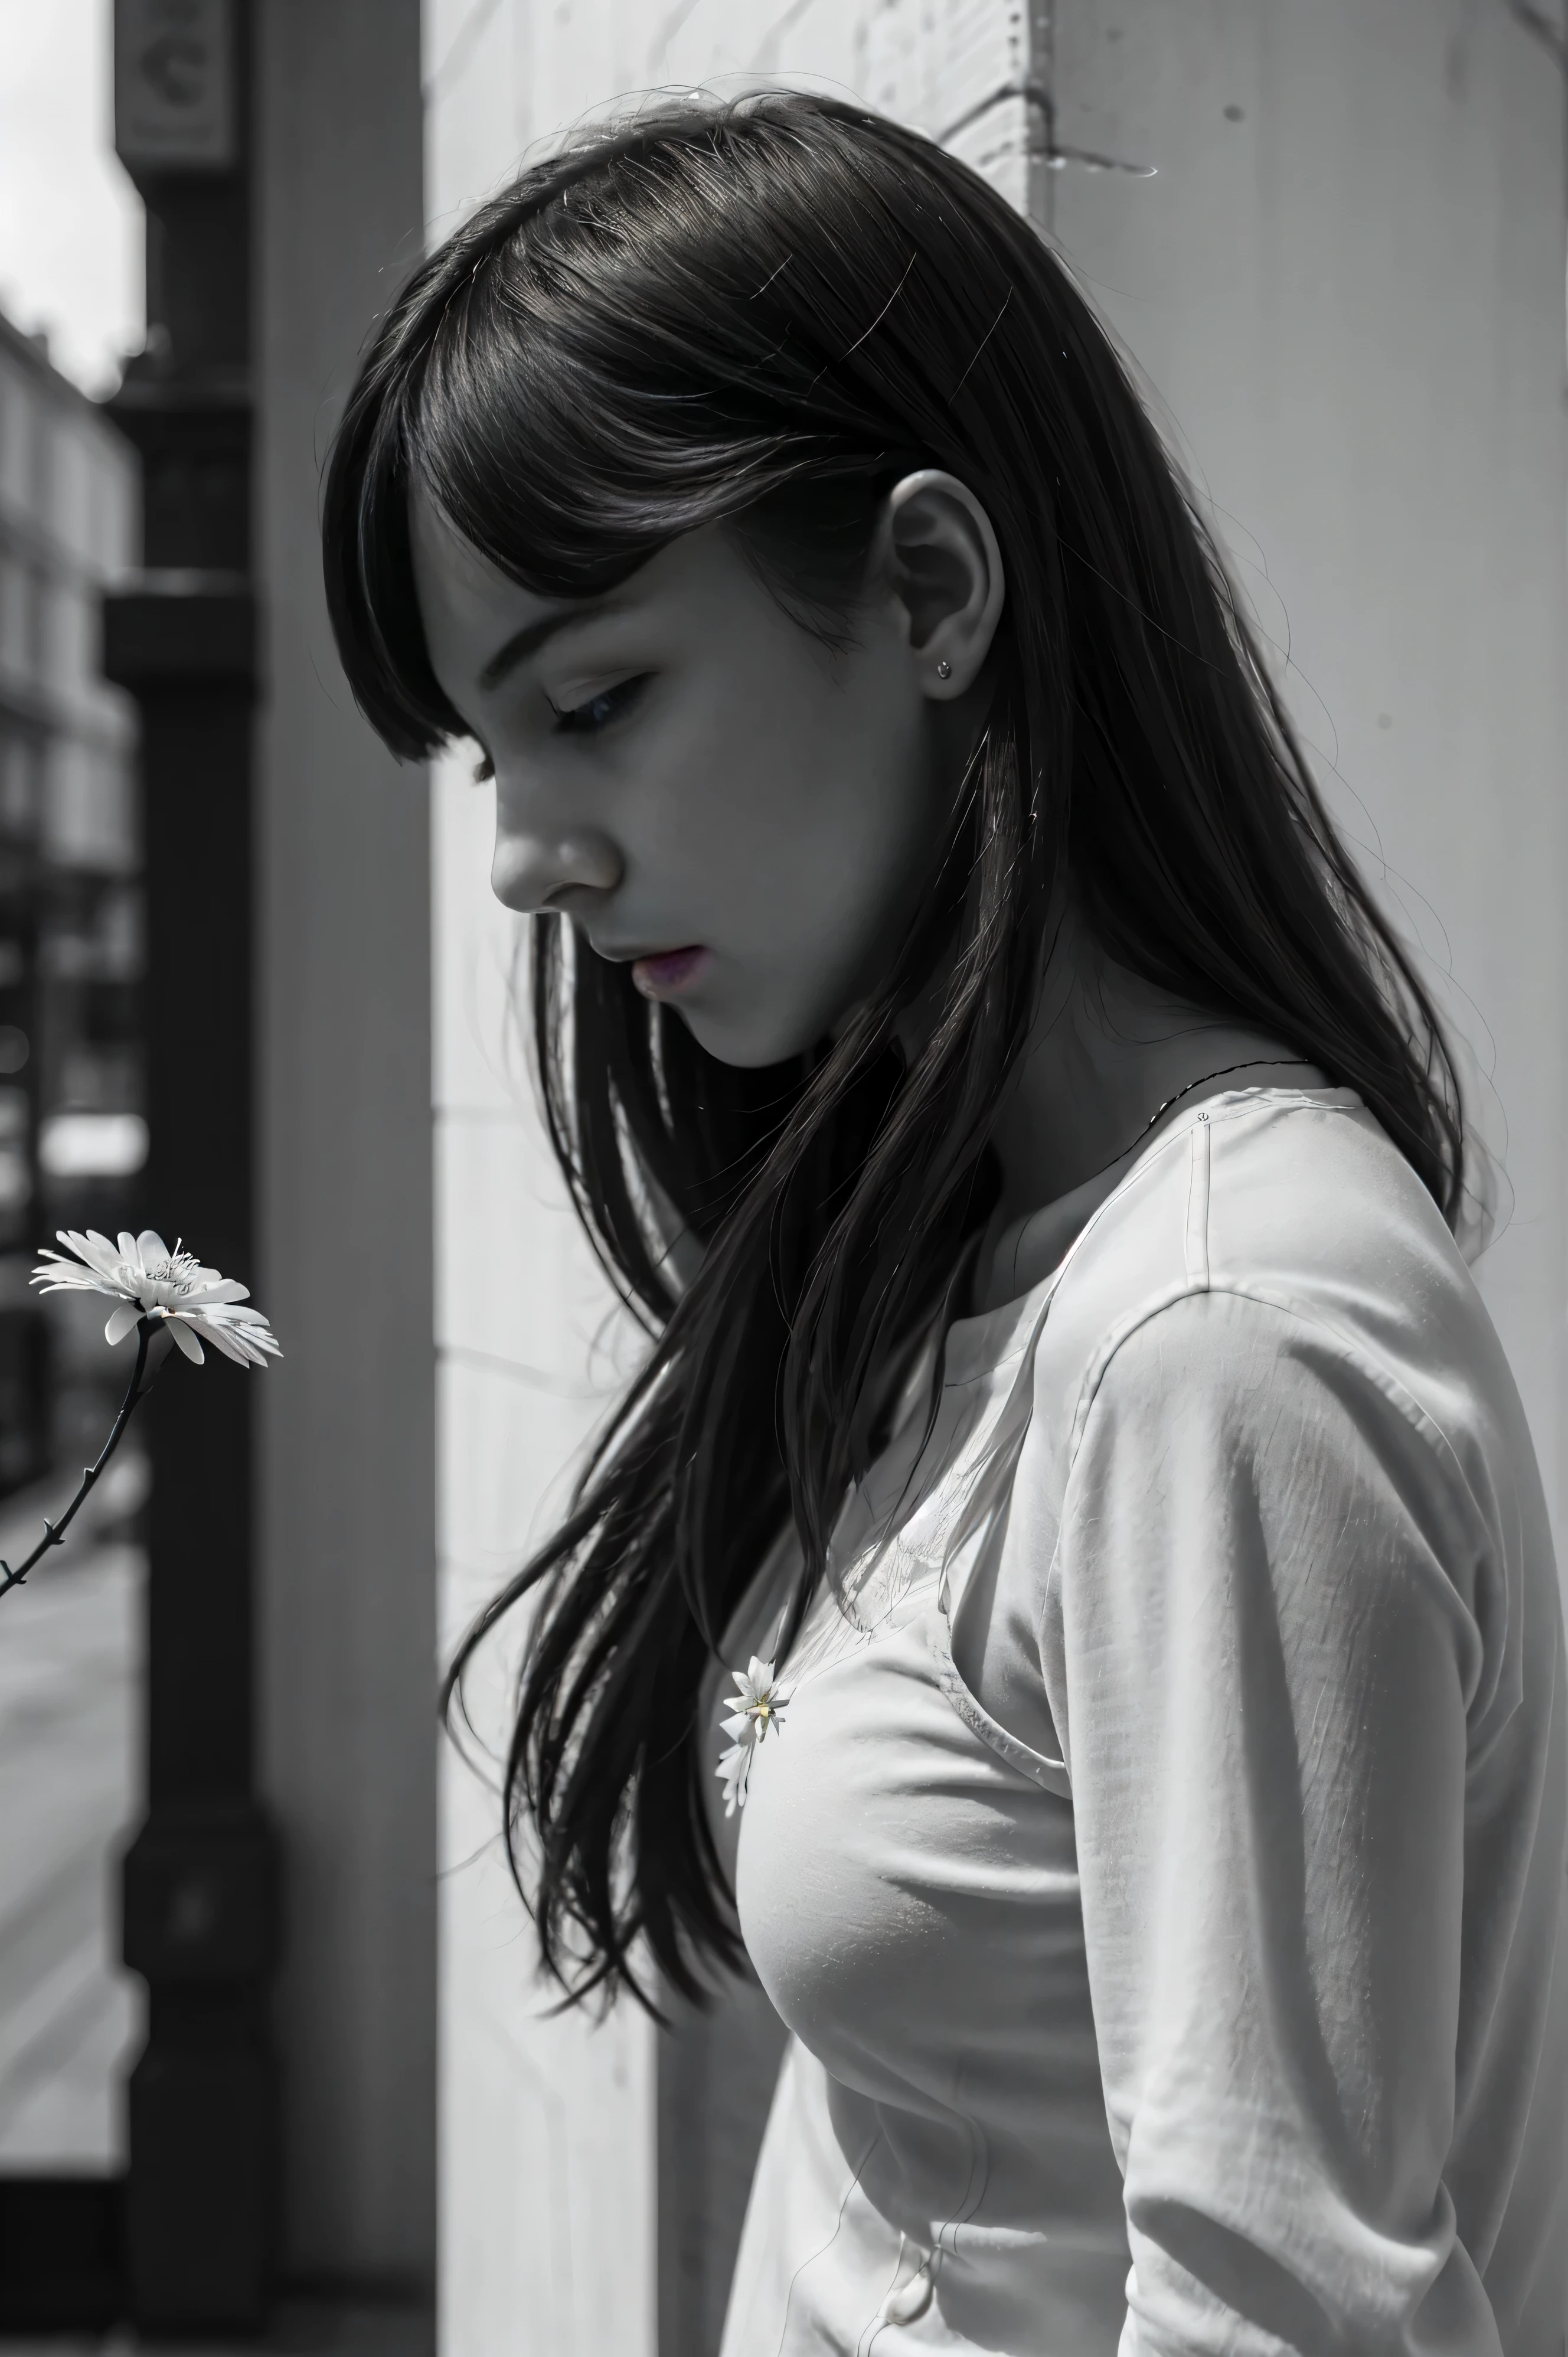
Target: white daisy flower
147	1280
748	1715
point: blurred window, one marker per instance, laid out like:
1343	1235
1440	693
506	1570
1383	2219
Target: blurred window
93	1146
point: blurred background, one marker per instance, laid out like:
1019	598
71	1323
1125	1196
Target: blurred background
273	2062
73	1133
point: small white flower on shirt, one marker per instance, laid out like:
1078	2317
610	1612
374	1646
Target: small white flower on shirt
748	1716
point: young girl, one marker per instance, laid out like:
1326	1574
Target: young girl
1067	1413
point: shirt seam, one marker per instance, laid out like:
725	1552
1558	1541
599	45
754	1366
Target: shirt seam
1406	1406
1381	1375
1243	1102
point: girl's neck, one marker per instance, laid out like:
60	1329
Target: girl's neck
1106	1053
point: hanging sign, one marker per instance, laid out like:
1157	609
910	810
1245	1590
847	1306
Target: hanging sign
174	85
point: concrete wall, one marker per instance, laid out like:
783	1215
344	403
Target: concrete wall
1345	285
346	1478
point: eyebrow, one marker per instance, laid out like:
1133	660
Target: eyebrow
527	642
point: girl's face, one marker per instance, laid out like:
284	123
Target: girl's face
703	787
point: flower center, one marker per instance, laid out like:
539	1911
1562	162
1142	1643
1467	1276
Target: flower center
170	1280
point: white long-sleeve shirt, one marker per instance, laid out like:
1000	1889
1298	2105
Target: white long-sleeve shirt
1161	1862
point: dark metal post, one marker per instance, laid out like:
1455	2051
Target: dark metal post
201	1879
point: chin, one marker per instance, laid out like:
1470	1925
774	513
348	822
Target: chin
751	1046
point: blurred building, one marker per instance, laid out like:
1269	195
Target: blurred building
73	1135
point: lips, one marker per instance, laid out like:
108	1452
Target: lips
668	973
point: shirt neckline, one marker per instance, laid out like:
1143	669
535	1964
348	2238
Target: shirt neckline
978	1345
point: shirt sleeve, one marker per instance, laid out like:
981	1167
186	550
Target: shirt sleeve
1269	1634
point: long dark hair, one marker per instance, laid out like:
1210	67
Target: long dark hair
765	313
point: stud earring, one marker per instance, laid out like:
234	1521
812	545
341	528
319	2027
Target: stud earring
944	670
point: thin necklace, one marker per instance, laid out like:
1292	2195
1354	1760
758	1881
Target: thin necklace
1253	1064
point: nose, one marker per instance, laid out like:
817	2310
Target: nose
533	870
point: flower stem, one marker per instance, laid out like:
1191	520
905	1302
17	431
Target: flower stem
54	1533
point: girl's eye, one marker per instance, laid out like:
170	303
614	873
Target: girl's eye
587	719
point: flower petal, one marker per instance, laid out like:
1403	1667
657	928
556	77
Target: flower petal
56	1274
736	1770
95	1252
186	1341
121	1323
246	1329
223	1339
151	1246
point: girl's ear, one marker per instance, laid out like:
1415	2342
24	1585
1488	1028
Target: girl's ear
939	556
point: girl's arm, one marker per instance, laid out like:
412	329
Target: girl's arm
1271	1592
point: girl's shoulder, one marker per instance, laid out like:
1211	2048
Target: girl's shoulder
1296	1197
1296	1205
1268	1319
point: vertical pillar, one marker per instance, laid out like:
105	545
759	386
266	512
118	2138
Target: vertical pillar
346	1442
200	1911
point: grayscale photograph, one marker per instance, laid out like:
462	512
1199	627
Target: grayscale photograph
783	1177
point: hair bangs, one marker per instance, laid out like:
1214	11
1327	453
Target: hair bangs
566	403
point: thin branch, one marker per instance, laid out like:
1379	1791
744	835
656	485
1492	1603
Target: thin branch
54	1533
